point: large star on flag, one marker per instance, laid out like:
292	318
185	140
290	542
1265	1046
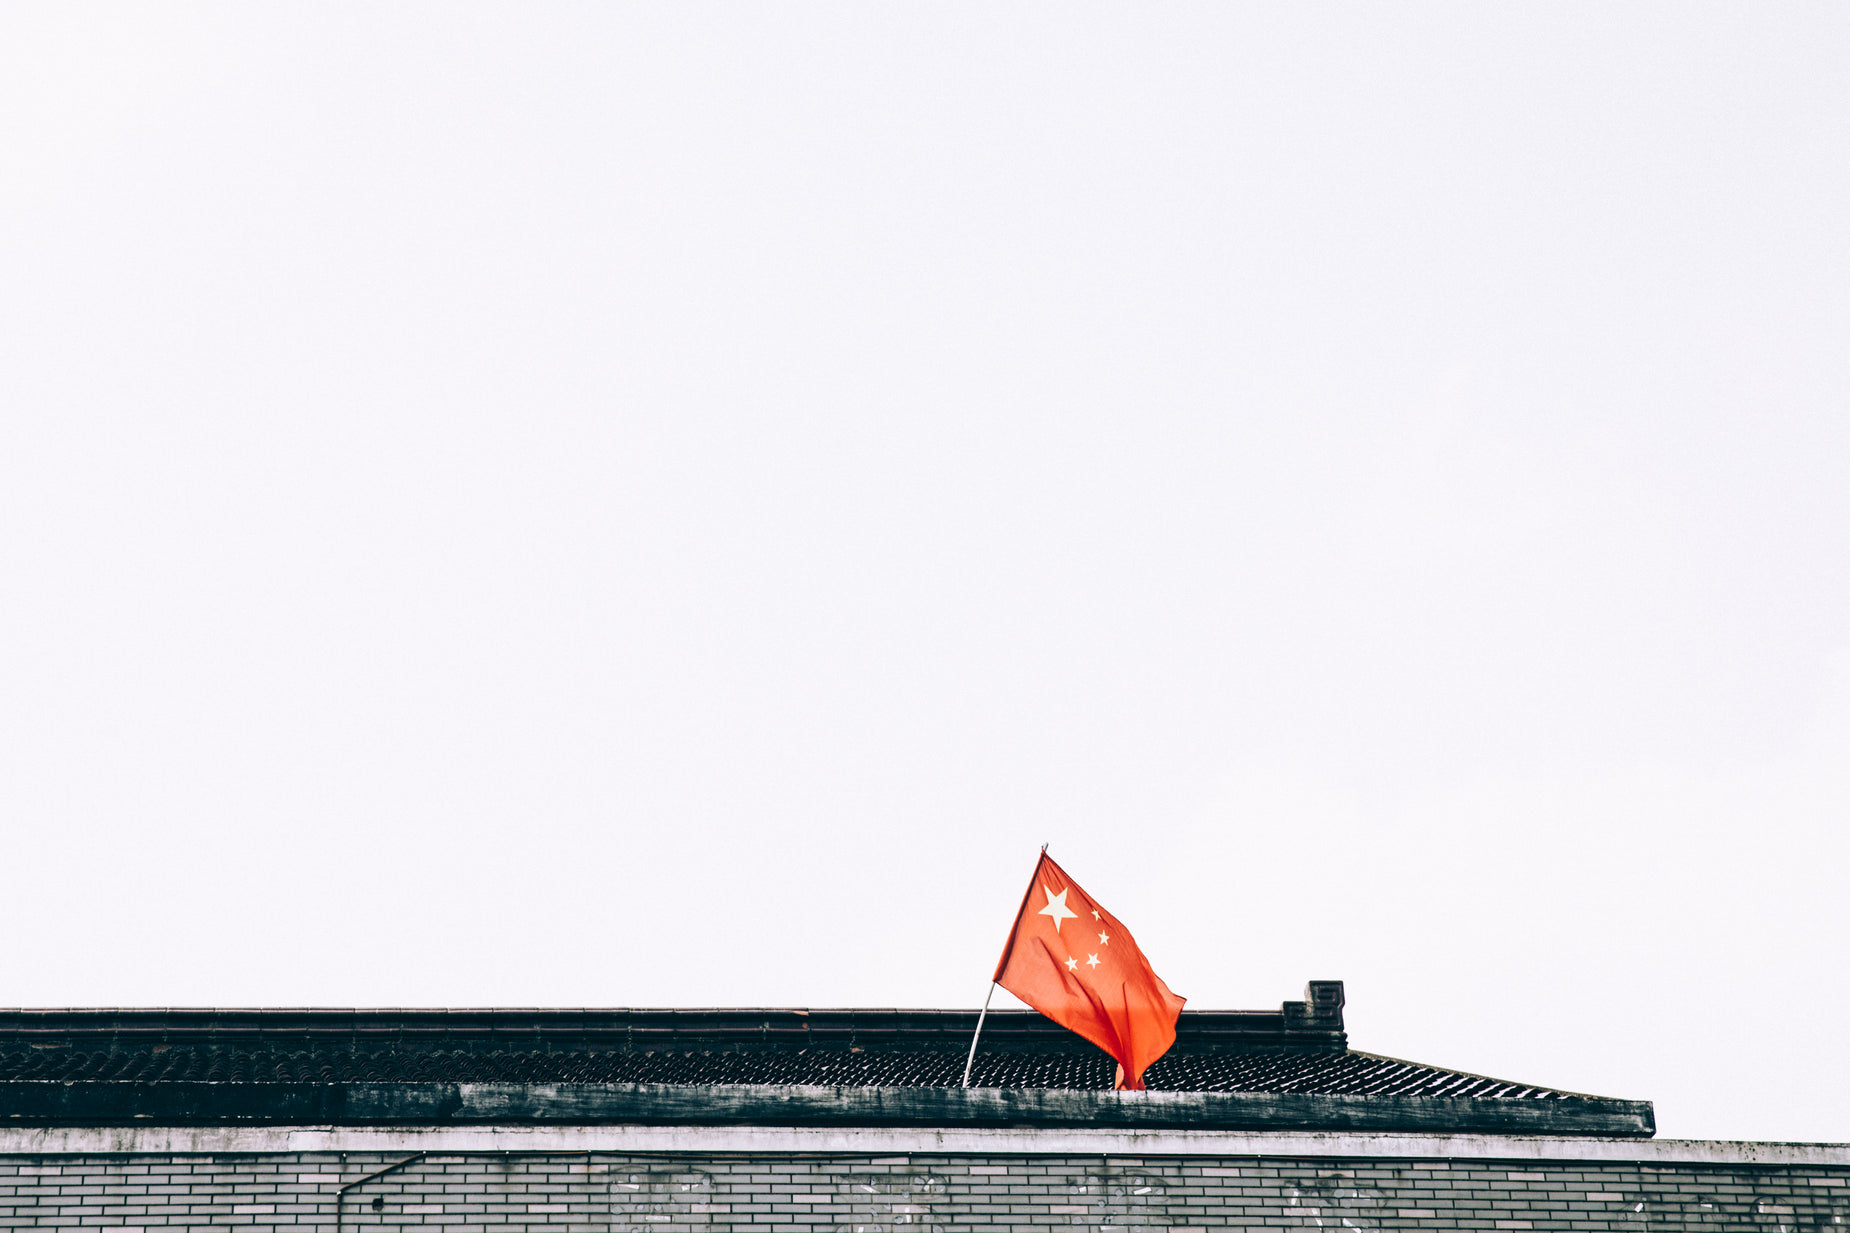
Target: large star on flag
1056	908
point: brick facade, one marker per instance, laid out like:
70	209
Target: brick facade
512	1192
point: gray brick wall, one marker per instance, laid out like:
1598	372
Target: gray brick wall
601	1193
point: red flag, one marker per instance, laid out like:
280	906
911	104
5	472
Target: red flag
1071	960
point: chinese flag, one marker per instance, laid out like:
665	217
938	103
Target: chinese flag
1071	960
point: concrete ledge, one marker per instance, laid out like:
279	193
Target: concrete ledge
897	1141
31	1103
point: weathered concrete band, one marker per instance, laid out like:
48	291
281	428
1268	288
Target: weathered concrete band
898	1141
440	1104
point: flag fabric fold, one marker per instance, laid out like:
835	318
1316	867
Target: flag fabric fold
1073	961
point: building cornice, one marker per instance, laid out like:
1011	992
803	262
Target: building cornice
102	1102
905	1141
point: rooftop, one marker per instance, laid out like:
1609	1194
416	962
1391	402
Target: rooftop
1291	1066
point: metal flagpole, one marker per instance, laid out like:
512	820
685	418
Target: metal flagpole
969	1061
978	1035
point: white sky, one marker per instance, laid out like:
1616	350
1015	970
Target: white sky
673	506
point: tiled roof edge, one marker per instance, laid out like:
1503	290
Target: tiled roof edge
45	1103
1560	1092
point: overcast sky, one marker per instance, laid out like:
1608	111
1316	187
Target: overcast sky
664	506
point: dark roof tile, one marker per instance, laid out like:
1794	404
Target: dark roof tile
1300	1048
1257	1070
